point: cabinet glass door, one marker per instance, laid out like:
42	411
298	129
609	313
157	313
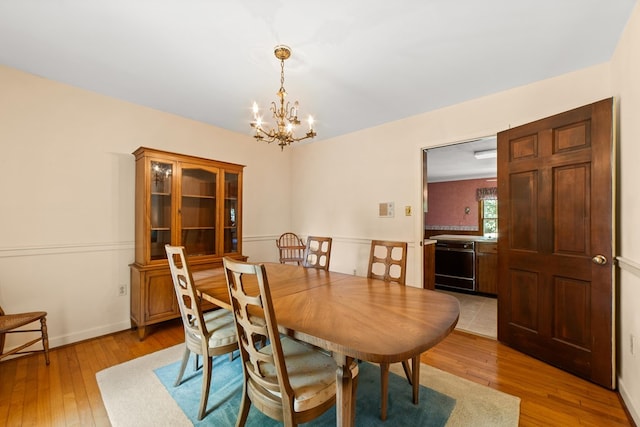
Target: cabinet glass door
198	211
161	177
231	212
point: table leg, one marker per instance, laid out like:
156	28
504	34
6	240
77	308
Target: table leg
415	371
345	392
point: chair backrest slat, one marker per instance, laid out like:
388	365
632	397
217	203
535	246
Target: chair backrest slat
317	253
192	317
291	248
255	319
388	261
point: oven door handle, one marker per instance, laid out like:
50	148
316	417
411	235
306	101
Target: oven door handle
454	249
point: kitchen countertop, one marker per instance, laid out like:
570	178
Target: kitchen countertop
459	237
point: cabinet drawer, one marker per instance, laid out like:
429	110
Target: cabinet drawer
487	248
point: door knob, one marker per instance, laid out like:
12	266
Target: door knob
599	259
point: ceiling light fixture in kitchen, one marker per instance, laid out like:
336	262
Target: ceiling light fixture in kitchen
485	154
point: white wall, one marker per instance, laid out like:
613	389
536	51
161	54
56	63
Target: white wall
339	182
67	205
626	82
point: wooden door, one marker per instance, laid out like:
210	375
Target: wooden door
555	241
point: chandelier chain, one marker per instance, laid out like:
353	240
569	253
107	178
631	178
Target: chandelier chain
282	75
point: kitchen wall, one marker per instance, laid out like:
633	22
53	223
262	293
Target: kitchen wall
453	205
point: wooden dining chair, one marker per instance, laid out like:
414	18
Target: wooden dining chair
291	248
207	334
287	380
317	252
388	262
13	324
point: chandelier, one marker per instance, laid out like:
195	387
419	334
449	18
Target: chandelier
286	117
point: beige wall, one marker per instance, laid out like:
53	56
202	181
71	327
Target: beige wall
67	205
625	67
342	180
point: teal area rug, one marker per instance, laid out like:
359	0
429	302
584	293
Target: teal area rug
134	396
434	408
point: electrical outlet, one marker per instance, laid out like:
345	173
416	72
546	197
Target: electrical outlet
122	290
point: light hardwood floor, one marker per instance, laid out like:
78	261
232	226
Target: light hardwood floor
66	393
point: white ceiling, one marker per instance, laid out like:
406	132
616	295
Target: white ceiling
355	64
457	161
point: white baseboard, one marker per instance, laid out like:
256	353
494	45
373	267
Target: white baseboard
88	334
629	403
76	337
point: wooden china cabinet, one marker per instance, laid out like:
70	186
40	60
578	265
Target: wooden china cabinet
180	200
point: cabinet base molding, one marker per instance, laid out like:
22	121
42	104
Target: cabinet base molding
153	299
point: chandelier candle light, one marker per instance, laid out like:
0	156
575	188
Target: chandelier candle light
286	116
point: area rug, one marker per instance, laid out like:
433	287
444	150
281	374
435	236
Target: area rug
141	393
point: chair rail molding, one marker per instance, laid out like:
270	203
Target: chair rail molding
629	265
343	239
65	248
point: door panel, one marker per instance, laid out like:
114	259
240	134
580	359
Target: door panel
524	300
571	202
523	198
555	199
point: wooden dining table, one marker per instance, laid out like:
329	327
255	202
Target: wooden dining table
353	317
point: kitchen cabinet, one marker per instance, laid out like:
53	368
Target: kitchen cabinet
487	267
429	264
180	200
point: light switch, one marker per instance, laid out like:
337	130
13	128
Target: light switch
407	210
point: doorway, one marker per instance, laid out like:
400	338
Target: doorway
461	168
555	241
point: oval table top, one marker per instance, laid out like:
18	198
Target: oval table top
363	318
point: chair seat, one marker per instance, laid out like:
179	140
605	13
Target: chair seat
222	324
312	374
13	321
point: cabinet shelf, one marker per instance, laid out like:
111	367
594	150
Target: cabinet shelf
198	196
198	228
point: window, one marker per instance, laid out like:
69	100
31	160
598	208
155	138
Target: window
489	210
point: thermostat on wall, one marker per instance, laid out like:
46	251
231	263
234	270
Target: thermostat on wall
385	210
